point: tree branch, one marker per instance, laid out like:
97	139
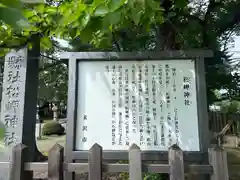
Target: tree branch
194	18
23	44
49	57
57	60
116	42
230	24
52	65
211	6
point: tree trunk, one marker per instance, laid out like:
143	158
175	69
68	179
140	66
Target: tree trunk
166	31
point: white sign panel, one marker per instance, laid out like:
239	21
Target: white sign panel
150	103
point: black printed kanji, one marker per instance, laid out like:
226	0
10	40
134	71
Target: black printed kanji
84	128
186	79
187	102
187	94
84	139
107	68
186	86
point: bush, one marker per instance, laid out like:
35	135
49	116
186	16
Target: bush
146	176
53	127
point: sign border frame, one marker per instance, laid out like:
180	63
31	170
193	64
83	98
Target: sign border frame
198	56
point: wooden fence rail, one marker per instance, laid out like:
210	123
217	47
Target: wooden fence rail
218	120
217	167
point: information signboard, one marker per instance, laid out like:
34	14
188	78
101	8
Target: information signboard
150	103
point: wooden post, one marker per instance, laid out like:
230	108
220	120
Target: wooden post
175	159
17	164
95	162
218	160
135	163
55	163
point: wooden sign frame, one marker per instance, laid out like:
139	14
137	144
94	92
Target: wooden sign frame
198	56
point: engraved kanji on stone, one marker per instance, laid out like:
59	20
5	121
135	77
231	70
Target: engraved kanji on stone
10	138
13	76
12	91
15	62
12	105
10	120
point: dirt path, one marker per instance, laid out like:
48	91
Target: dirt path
44	146
48	142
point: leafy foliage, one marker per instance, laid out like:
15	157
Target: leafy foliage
229	107
198	25
11	13
128	26
93	20
53	81
146	176
95	25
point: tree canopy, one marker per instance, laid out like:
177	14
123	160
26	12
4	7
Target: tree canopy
96	21
122	25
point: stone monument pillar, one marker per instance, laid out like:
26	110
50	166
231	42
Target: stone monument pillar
55	112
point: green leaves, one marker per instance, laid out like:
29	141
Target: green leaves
171	14
16	4
116	4
10	16
101	10
136	15
181	3
11	13
29	13
93	20
108	7
112	19
85	20
46	42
